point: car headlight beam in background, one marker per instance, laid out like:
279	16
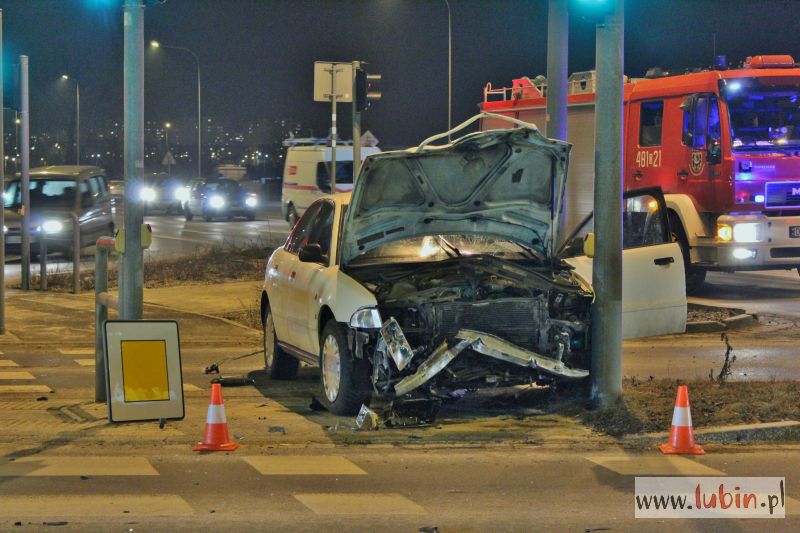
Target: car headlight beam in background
251	201
52	226
147	194
216	201
181	194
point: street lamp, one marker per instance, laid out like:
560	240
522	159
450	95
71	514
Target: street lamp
156	44
77	118
167	126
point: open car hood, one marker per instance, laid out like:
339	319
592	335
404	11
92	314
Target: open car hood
506	184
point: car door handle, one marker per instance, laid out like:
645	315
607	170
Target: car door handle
663	261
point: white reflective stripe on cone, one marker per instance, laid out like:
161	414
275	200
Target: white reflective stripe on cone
216	414
681	417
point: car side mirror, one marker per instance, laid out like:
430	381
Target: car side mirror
311	253
588	245
714	154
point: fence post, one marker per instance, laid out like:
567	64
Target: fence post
101	314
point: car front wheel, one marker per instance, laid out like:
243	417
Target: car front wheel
345	380
278	364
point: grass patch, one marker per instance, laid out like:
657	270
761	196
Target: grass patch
215	264
646	406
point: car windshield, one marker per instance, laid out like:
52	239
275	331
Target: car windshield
440	247
44	193
763	117
222	186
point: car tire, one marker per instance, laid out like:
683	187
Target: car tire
277	363
187	213
345	381
291	216
695	277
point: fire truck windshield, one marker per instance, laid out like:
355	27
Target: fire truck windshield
763	117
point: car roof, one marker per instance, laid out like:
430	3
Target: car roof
66	171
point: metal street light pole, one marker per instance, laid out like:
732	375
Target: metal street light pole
156	44
77	118
449	67
131	287
169	163
2	189
607	270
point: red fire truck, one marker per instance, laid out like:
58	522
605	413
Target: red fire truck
724	145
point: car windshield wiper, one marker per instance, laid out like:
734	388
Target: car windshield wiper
450	246
529	250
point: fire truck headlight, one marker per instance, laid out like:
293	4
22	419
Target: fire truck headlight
746	232
744	253
724	232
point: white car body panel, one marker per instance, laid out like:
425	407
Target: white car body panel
653	296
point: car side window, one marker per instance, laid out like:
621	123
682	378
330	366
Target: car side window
302	231
94	186
643	222
650	123
322	228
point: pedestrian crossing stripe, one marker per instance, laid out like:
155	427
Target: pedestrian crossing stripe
653	465
39	466
359	503
188	387
94	505
16	375
7	362
76	351
85	362
25	388
304	465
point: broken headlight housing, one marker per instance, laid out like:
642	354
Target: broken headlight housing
366	318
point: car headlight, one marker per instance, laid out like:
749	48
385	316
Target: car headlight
746	232
181	194
147	194
52	226
5	229
251	201
366	317
724	232
216	201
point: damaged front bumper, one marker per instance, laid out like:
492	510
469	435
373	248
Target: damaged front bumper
490	346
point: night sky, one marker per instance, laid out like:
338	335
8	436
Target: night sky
257	55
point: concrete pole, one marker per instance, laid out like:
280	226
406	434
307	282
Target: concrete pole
77	123
449	68
557	68
25	155
2	188
333	128
132	277
199	125
356	126
607	272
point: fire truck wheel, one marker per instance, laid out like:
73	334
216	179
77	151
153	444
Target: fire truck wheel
695	277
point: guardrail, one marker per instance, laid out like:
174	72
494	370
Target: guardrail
103	300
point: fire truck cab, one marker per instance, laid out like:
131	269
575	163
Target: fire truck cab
724	146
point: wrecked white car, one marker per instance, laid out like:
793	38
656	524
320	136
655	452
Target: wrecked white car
442	273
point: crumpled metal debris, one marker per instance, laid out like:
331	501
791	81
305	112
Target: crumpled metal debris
435	363
367	418
397	346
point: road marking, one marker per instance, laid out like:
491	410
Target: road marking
38	466
76	351
359	503
653	465
16	375
85	362
43	505
7	362
304	465
188	387
25	388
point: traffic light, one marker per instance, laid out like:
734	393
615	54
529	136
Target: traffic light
367	90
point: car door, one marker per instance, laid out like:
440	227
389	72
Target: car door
653	278
306	279
281	274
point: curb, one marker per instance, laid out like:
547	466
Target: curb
767	431
741	320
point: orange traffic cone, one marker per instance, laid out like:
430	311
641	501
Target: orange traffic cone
216	438
681	434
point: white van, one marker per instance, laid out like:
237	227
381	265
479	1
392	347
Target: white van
306	175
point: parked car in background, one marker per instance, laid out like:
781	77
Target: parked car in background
54	193
442	273
163	193
219	198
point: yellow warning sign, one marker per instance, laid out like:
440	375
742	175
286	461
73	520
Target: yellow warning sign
144	370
